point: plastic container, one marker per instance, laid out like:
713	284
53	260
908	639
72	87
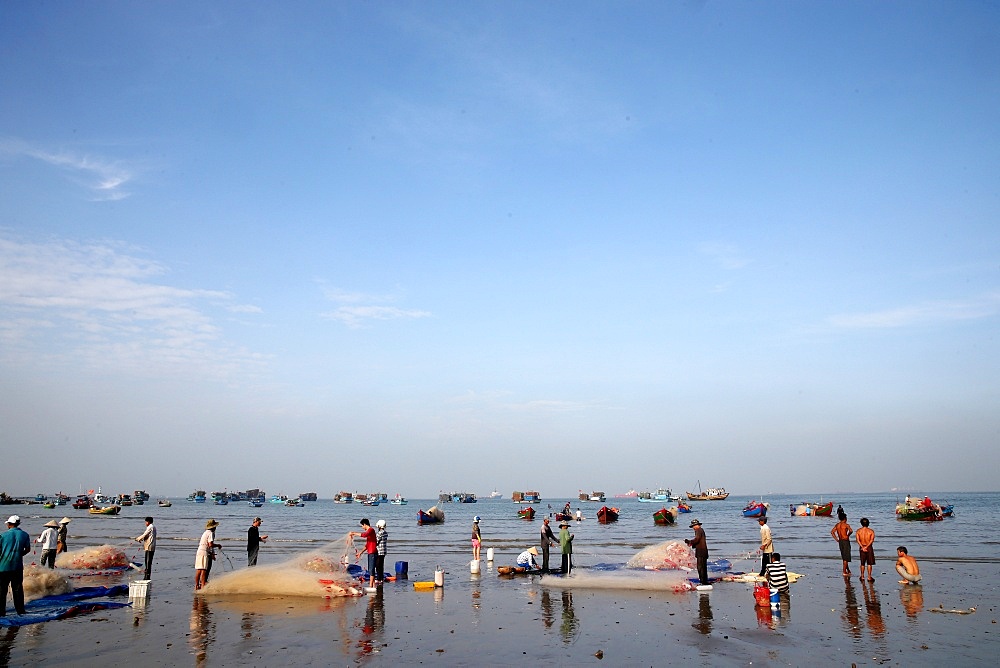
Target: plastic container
439	577
474	566
774	598
423	585
402	568
762	595
489	554
138	588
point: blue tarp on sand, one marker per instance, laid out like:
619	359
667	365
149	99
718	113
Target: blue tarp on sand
61	606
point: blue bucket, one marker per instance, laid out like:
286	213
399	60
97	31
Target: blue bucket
774	598
402	569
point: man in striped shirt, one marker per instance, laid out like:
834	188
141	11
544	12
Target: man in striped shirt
777	576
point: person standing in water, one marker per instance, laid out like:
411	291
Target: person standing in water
381	549
865	537
766	544
700	546
148	540
547	538
566	547
206	552
477	538
254	539
841	533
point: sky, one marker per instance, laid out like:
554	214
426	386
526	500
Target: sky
413	247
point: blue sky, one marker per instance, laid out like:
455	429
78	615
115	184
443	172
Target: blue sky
414	246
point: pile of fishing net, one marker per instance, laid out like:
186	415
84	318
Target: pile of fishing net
97	558
320	574
436	513
670	555
41	582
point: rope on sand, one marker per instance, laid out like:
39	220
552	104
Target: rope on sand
956	611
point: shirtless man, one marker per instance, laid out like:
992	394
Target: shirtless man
907	567
866	553
841	533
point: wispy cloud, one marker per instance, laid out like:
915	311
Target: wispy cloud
105	179
100	304
728	256
928	313
358	308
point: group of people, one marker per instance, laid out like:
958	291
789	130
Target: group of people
774	570
15	543
906	565
376	545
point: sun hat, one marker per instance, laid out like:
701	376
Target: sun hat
13	519
51	523
564	524
476	518
695	522
257	519
211	524
65	520
533	550
380	524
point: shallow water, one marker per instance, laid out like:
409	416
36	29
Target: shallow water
633	617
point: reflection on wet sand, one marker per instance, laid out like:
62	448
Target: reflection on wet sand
202	630
371	631
912	598
286	606
704	623
851	616
873	610
570	625
7	639
548	617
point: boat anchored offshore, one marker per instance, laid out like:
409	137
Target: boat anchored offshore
710	494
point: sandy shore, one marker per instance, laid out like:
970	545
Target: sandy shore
587	618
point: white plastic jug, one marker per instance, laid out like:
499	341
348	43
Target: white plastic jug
439	577
489	554
474	566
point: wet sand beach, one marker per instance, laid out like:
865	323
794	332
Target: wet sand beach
631	618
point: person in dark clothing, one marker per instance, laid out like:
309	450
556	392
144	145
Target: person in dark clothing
547	539
254	539
700	547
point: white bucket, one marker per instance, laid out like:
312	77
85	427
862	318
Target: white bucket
489	554
439	578
138	588
474	566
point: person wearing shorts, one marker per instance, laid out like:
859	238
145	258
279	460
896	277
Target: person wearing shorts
841	533
866	550
477	539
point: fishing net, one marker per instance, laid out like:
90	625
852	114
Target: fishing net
321	573
93	558
436	513
670	555
42	582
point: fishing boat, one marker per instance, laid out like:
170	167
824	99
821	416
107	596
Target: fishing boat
41	497
563	517
599	497
812	509
343	497
947	510
398	500
659	496
309	496
255	503
164	503
49	505
526	497
277	498
434	515
526	513
922	510
294	503
465	497
755	509
710	494
82	502
663	517
683	507
606	514
106	510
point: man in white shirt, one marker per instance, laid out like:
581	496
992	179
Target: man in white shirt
48	540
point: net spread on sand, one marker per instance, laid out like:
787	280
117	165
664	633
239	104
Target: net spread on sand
321	573
93	558
42	582
671	555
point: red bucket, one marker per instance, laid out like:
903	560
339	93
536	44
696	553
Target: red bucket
762	594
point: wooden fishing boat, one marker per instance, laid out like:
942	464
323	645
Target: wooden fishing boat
755	509
948	510
806	509
923	510
663	517
82	502
399	500
683	507
106	510
433	516
659	496
164	503
526	513
710	494
517	570
605	515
